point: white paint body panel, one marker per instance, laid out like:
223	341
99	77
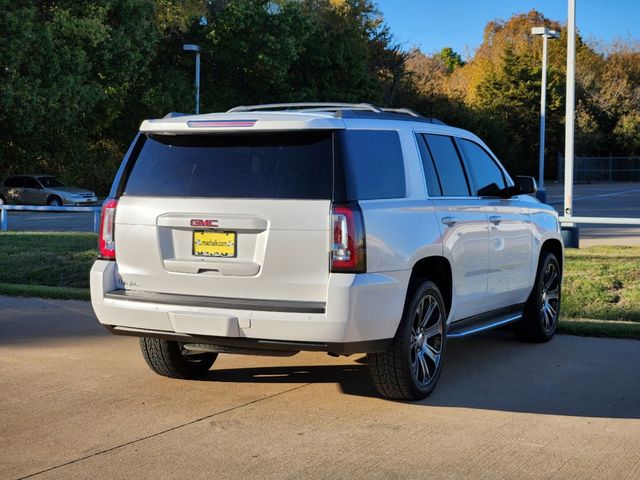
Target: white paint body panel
283	251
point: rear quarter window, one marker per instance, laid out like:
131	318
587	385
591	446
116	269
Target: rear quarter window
373	164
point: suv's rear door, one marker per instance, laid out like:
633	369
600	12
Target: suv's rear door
228	215
463	222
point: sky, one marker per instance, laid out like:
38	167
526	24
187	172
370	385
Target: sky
435	24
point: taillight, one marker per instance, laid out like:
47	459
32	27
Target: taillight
348	251
106	240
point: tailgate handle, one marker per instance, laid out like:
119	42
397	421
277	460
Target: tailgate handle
212	267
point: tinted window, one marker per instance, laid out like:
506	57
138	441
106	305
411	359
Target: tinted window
12	182
30	182
276	165
49	182
488	177
433	184
373	164
448	165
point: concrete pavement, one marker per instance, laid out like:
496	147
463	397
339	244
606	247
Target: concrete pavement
76	402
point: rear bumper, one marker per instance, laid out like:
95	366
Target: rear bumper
360	314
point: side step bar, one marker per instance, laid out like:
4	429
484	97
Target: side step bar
484	322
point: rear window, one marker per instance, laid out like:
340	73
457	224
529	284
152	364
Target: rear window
373	165
13	182
453	181
295	165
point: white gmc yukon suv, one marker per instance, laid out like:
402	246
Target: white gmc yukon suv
339	228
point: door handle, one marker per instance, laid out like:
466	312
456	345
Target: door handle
449	221
495	219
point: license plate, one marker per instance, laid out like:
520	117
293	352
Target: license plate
214	244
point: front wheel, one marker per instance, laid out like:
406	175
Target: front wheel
54	202
410	367
170	359
540	317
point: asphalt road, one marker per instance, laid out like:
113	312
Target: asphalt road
76	402
604	200
51	222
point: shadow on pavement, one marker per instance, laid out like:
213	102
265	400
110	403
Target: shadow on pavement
31	320
591	377
353	379
571	376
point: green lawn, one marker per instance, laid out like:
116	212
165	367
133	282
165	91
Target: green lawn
50	265
602	283
601	289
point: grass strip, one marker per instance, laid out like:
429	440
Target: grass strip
52	259
599	328
43	291
602	283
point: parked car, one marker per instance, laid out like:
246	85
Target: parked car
43	190
318	227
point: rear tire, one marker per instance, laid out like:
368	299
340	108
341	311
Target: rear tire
540	317
410	367
167	358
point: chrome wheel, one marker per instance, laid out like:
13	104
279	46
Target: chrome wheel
426	340
550	297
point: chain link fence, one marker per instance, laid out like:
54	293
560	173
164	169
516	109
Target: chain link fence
602	169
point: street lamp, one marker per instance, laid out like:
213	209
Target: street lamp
546	34
190	47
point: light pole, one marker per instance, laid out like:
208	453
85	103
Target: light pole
546	34
571	234
190	47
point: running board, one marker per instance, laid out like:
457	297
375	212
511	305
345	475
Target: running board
484	322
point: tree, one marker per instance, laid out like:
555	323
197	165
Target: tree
66	71
450	59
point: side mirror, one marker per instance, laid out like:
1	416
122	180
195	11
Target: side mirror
526	185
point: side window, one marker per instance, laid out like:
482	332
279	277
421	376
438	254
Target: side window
429	169
19	182
488	177
453	180
11	182
30	182
373	164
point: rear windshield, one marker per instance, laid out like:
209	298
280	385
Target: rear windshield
346	165
295	165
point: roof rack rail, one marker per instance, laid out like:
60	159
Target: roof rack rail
317	106
344	110
406	111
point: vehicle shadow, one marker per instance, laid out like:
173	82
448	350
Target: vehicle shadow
353	379
570	375
33	320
